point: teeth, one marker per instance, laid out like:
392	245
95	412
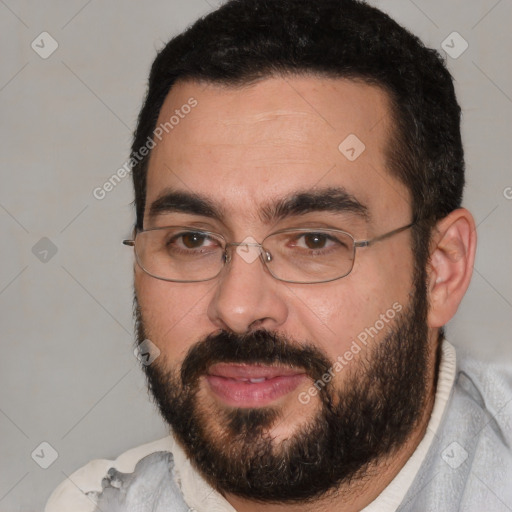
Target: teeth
254	381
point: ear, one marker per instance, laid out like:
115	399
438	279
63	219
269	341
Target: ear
451	265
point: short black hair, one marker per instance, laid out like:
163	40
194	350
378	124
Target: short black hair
249	40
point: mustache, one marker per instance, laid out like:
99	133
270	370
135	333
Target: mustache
258	347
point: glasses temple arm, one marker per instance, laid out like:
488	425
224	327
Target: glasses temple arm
366	243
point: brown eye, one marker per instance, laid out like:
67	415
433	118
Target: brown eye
193	240
315	240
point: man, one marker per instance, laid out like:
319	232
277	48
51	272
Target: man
300	244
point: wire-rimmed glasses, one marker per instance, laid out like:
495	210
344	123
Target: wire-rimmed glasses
298	255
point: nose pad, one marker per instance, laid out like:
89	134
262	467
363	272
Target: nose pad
248	251
266	256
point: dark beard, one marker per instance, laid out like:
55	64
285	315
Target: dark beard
379	406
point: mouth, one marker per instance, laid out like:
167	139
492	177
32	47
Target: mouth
242	385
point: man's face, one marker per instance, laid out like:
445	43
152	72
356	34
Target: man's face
254	346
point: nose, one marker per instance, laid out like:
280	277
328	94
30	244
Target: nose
247	297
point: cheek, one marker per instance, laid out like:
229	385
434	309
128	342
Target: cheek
333	315
330	318
172	313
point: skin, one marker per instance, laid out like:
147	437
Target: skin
244	147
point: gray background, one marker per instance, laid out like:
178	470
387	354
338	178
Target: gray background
69	376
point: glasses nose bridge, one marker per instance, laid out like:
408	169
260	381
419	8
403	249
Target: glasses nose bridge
262	252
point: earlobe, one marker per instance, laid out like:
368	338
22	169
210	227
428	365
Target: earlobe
451	265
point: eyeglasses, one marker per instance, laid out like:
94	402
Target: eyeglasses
301	255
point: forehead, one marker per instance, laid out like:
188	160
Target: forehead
240	147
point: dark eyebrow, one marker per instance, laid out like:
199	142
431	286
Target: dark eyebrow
184	202
332	199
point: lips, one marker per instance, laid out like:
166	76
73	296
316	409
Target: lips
252	385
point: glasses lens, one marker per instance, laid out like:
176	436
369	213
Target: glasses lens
179	253
309	256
